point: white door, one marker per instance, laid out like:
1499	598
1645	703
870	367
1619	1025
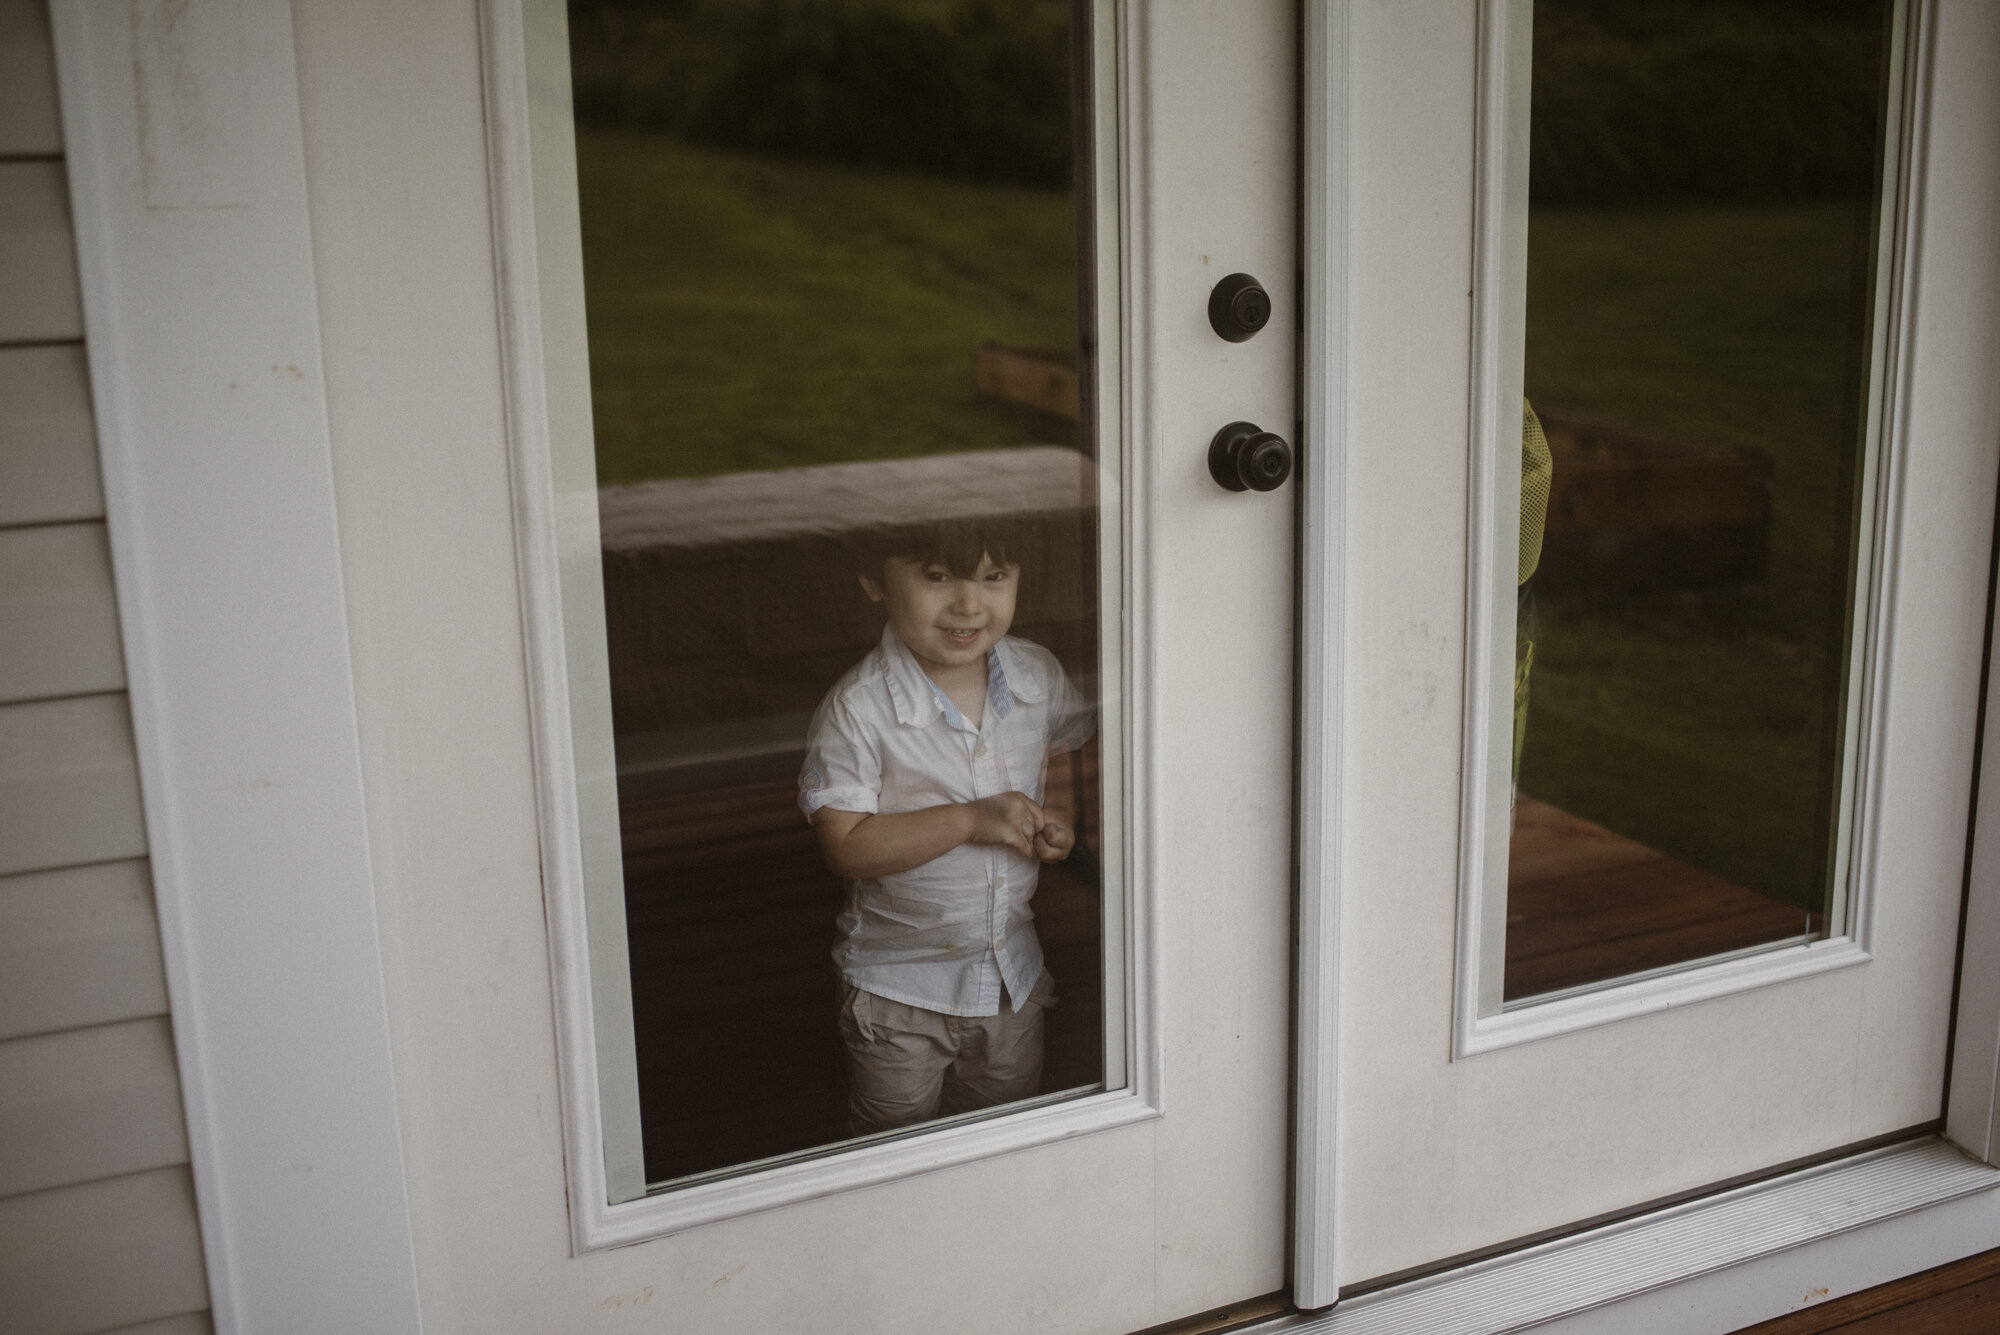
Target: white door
1475	1114
354	205
1164	1194
1159	1196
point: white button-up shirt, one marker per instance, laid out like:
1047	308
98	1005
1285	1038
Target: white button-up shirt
947	935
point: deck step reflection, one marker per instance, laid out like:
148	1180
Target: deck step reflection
1585	904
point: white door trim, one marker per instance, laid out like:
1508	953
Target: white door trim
1972	1108
1972	1113
187	179
1500	265
539	276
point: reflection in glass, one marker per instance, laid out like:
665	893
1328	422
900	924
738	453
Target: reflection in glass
1705	189
841	363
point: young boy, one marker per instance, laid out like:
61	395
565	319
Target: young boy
923	781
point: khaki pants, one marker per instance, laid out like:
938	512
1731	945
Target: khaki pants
906	1064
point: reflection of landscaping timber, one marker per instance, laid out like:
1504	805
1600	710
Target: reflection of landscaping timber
731	602
729	916
1044	380
1631	510
1585	905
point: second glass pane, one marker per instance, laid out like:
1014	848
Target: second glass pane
1705	186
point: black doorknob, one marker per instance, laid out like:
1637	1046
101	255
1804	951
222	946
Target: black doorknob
1245	457
1238	307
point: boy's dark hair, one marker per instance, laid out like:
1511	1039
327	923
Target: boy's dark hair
956	544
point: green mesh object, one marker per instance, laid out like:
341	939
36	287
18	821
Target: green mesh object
1537	471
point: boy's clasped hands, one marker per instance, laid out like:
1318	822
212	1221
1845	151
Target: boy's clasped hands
1016	821
857	844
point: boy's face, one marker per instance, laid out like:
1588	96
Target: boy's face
946	621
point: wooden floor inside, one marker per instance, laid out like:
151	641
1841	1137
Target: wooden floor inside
1585	905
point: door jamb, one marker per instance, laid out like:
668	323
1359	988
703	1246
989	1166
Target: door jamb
186	159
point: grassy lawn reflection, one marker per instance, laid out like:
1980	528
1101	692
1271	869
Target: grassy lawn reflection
1700	723
753	313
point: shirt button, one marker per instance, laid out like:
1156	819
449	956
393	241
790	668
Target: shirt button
1000	882
999	941
979	750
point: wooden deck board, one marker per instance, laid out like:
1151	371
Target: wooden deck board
1585	904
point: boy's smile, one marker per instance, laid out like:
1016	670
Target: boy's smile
946	620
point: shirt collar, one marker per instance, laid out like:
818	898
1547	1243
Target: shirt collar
1009	677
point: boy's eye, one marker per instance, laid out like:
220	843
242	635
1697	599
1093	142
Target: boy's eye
999	576
937	576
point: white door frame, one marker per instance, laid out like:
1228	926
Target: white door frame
187	180
216	459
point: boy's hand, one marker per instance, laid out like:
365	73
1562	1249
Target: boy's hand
1008	819
1056	837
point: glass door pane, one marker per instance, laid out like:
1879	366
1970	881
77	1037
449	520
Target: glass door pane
842	273
1704	295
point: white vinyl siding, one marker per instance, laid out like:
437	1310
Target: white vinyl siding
98	1255
37	254
29	125
98	1229
188	1323
61	615
78	946
48	450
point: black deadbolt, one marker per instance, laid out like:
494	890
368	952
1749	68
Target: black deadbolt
1245	457
1238	307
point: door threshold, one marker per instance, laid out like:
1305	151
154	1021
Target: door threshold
1252	1314
1576	1274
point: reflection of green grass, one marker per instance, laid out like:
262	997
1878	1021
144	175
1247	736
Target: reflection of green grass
1698	727
1701	744
747	313
1722	325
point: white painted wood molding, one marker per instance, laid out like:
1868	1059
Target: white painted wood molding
187	181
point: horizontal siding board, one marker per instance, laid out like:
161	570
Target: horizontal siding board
48	436
49	440
69	784
29	119
79	946
58	615
100	1255
188	1323
88	1104
37	256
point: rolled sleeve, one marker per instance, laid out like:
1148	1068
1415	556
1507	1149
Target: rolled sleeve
843	766
1072	718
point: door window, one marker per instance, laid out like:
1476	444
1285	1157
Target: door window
1693	391
839	556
